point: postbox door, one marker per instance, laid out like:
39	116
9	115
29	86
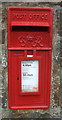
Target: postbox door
29	99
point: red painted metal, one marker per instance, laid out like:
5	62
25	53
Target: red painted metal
29	33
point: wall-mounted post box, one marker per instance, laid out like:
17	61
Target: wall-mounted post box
29	57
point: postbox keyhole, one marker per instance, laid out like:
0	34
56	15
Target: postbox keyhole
17	78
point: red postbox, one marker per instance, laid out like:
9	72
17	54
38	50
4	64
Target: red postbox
29	57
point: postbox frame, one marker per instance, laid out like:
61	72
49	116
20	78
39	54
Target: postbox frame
12	50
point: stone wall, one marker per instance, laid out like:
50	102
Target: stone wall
54	110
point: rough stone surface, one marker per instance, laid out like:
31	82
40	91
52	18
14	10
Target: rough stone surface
54	110
31	1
